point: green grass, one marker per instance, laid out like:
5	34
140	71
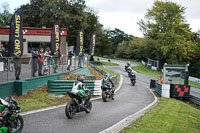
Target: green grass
194	84
170	116
39	98
146	71
110	72
109	64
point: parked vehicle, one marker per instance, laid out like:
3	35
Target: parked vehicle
107	92
76	105
9	115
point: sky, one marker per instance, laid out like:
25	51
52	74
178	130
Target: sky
124	14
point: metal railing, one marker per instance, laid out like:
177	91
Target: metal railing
28	67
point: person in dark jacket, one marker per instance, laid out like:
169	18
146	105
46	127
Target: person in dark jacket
34	62
40	61
17	66
69	60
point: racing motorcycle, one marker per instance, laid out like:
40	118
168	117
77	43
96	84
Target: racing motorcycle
3	129
126	67
133	78
76	105
9	116
107	92
129	71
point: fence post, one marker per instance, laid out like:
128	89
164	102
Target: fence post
62	62
7	68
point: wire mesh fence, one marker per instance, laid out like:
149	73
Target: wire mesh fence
13	68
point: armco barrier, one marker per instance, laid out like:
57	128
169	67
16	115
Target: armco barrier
97	69
21	87
63	86
194	100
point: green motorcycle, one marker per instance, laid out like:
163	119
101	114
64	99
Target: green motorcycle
3	129
9	116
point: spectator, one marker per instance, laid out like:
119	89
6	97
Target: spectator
46	61
160	80
55	64
34	61
2	54
69	60
40	61
17	66
79	61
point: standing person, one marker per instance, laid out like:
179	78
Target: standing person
160	80
69	60
55	64
46	62
3	54
40	61
79	61
34	62
17	66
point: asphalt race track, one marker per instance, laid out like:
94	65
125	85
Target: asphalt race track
128	100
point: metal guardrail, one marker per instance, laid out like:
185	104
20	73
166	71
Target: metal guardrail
27	67
119	58
194	100
97	69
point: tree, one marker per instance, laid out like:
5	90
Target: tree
166	24
5	16
117	36
73	15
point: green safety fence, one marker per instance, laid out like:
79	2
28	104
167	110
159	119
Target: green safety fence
159	88
21	87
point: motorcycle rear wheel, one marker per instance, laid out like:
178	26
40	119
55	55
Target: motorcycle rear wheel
69	110
133	83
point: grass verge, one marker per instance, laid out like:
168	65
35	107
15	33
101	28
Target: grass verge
146	71
169	116
110	72
109	64
39	98
143	70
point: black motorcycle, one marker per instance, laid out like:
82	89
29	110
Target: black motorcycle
126	67
9	115
107	92
133	79
75	105
129	71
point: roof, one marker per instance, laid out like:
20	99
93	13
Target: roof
33	31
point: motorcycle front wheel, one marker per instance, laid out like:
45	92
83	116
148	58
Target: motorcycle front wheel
105	96
16	125
69	110
88	107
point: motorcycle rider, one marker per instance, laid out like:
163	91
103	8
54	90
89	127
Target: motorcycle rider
132	76
127	65
107	81
79	89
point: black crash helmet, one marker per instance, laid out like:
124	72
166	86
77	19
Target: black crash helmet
80	79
